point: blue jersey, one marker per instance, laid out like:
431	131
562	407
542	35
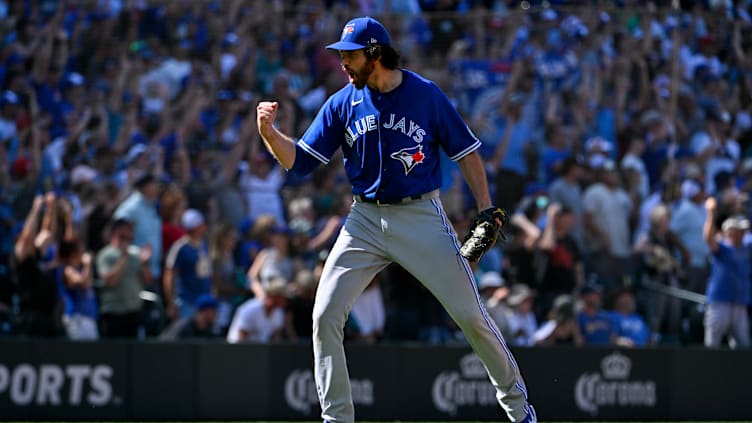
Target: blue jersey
390	141
729	280
192	269
631	326
596	330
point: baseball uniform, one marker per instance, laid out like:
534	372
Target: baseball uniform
391	143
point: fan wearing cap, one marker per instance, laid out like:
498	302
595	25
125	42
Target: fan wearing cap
522	322
391	126
561	327
728	293
595	324
261	319
494	293
198	325
187	273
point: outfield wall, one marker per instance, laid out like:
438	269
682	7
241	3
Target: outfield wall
157	381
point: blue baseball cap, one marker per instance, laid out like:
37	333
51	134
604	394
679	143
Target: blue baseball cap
359	33
206	301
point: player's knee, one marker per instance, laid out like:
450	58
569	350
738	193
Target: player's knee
326	319
471	323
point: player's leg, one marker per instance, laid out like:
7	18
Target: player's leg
353	261
424	243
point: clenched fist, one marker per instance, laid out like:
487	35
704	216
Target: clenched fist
266	113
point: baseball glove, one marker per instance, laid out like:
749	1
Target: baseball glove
483	233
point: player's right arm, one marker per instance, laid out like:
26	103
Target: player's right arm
317	145
282	146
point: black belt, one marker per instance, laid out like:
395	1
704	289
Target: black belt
424	196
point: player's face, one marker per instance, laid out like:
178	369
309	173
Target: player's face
357	67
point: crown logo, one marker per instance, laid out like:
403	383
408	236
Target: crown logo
472	367
616	366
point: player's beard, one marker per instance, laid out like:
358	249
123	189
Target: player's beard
359	77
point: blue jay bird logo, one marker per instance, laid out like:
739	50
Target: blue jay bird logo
409	157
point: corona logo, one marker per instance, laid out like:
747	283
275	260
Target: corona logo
613	388
472	367
468	387
616	366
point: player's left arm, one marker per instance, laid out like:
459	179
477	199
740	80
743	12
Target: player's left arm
475	174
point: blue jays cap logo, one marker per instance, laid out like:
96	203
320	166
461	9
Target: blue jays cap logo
360	32
409	157
348	29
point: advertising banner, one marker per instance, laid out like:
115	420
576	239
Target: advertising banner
293	390
597	384
232	382
144	381
163	381
44	380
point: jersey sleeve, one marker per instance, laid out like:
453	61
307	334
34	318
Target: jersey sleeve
320	140
456	138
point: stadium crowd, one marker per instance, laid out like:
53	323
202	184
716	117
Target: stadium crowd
136	199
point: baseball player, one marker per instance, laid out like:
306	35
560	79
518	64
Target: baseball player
390	124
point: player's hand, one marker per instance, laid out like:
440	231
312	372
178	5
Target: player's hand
266	113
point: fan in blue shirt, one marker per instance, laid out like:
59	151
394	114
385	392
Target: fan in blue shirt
630	328
595	324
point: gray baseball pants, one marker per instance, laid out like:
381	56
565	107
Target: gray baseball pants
418	236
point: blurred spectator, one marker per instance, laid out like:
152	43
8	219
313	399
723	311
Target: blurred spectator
109	197
658	250
200	324
368	312
75	275
686	222
33	263
631	329
261	185
272	262
596	326
566	190
124	270
228	281
607	209
172	205
89	107
638	180
299	311
561	326
511	155
713	147
140	209
562	260
187	272
728	293
494	293
522	322
261	319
